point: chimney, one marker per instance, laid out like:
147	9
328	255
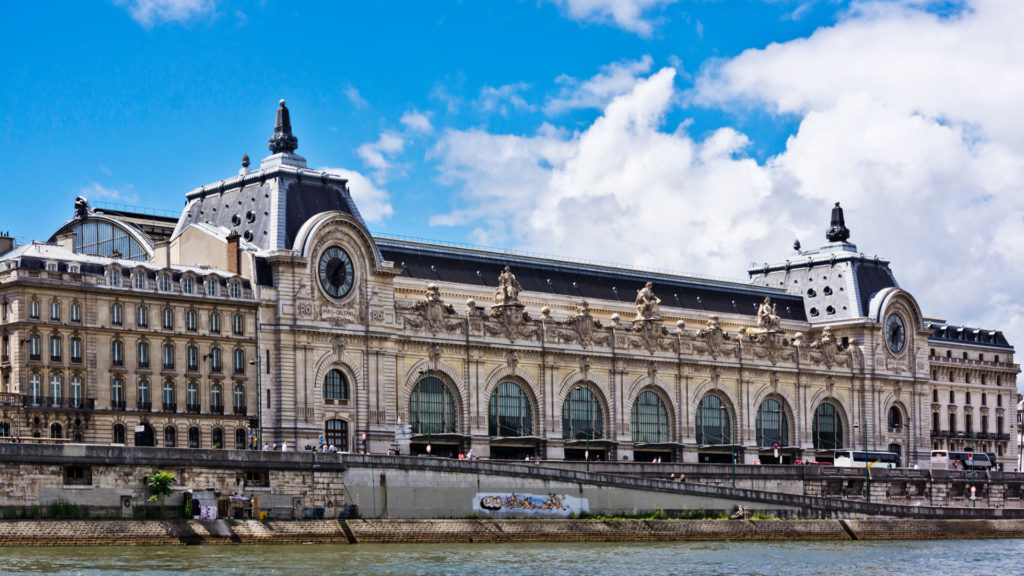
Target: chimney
6	243
234	253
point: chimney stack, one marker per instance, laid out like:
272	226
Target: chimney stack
234	253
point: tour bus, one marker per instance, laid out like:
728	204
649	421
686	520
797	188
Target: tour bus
944	459
860	459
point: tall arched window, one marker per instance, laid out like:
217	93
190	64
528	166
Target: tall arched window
828	428
714	422
772	424
335	386
895	417
193	437
431	407
582	417
649	418
217	438
336	434
118	433
56	432
240	439
170	437
509	411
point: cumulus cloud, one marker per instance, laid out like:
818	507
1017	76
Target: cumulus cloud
622	190
151	12
503	98
380	155
417	122
353	97
630	15
911	119
596	92
374	203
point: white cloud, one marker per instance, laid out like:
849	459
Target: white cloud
151	12
417	122
500	99
626	14
96	191
623	190
614	79
913	121
353	96
379	155
374	203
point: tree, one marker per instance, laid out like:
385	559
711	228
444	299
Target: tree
159	484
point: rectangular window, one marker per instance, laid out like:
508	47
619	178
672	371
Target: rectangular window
192	397
33	310
117	394
77	476
168	356
115	314
165	283
75	400
239	399
143	354
192	357
55	390
211	287
239	362
214	322
215	359
76	313
237	324
168	319
236	290
188	285
51	267
35	392
54	311
117	353
143	395
55	348
76	349
140	280
142	316
190	320
33	348
114	277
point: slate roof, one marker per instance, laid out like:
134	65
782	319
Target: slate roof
942	333
593	282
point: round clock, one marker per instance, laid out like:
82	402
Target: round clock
895	333
335	271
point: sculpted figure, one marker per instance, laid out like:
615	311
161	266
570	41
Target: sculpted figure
767	319
647	303
508	288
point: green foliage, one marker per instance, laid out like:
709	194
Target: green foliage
64	511
159	484
763	516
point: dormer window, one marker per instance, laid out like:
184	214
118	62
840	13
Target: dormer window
211	287
236	290
188	285
114	277
73	268
165	283
140	280
51	266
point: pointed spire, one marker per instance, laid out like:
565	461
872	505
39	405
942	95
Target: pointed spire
837	232
283	140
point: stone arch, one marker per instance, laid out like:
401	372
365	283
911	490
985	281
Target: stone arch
447	374
343	362
577	376
503	373
708	387
841	411
313	231
823	395
644	384
768	390
892	401
787	409
657	384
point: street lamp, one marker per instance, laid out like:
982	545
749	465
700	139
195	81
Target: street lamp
732	445
259	400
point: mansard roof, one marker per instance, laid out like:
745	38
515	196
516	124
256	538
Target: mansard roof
945	333
435	262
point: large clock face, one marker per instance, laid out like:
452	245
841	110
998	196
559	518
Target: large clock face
895	333
335	272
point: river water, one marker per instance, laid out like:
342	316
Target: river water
889	558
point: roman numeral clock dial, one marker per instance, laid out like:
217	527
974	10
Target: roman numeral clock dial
335	272
895	333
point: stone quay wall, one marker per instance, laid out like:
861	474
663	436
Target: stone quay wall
169	532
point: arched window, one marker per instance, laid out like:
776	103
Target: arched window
336	434
56	432
335	386
895	417
118	433
582	417
509	411
193	437
772	424
896	449
714	421
827	428
240	439
217	438
431	407
100	238
649	418
170	436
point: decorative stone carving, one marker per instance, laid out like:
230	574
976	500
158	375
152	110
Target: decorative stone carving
434	356
650	330
773	380
585	367
338	346
647	304
771	345
510	321
512	359
767	319
432	313
584	324
82	208
712	337
827	346
507	292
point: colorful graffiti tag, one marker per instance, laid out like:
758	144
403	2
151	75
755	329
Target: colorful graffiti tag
515	504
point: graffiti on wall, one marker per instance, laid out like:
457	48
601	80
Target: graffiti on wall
505	504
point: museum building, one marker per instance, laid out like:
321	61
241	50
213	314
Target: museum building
349	336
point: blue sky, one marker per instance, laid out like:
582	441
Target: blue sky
691	135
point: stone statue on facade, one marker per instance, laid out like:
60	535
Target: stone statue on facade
767	319
647	303
508	289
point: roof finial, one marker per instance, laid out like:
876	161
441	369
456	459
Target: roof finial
837	231
283	140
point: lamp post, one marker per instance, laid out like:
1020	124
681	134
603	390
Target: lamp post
732	445
259	400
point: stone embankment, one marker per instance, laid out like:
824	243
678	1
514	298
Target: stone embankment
94	532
